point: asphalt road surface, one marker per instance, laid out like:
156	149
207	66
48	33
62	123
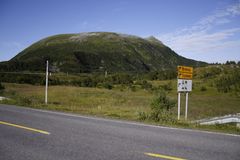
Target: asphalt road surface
28	134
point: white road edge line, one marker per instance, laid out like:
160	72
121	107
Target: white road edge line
126	122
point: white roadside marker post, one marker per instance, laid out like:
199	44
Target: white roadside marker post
186	109
46	87
179	99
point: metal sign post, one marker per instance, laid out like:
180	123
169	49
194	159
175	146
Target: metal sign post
186	109
179	99
184	85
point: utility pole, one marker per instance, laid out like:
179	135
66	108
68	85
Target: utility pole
46	88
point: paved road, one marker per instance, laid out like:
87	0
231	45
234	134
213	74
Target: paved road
73	137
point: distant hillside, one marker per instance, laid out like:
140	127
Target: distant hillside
97	52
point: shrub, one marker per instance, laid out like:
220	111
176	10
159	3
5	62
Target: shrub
167	87
132	88
162	102
1	87
203	88
161	106
164	116
146	85
106	85
142	115
229	82
120	78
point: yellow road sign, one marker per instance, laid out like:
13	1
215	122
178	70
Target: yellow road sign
184	75
185	69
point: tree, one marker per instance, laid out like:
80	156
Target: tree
230	62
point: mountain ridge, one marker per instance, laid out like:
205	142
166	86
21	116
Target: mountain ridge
97	52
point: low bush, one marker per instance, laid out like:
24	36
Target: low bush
167	87
106	85
1	87
203	88
229	82
161	108
142	116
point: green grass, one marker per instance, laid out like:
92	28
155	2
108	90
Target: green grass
92	101
122	103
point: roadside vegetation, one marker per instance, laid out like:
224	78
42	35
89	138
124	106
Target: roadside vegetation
134	97
1	87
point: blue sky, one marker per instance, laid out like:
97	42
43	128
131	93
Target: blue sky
207	30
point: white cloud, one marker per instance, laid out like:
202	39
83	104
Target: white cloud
234	9
200	40
203	37
222	16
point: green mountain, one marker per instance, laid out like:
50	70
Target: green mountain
97	52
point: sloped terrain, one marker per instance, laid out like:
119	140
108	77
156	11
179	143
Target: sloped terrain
97	52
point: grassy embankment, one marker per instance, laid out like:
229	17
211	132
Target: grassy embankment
91	101
124	103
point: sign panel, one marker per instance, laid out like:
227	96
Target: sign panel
184	76
184	85
185	69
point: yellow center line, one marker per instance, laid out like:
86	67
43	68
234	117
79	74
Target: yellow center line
163	156
23	127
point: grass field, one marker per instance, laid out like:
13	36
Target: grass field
93	101
122	102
